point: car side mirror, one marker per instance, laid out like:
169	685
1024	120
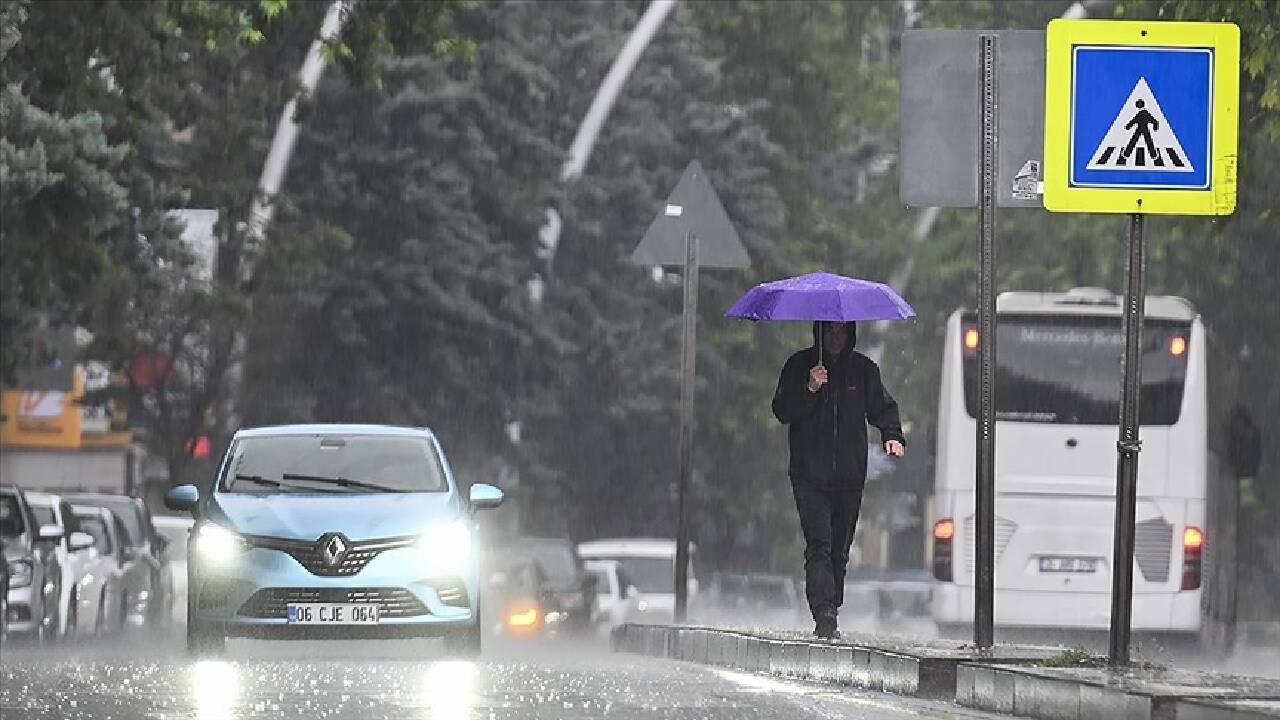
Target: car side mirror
81	541
51	532
590	582
183	498
129	553
632	591
484	496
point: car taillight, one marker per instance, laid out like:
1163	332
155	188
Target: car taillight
943	532
1192	552
971	338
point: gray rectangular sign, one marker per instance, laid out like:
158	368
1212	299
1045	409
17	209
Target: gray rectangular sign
939	116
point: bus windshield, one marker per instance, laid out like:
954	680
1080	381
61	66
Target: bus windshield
1066	369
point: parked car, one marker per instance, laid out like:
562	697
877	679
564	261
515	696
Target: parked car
111	575
333	530
568	590
176	530
147	592
651	566
616	596
33	573
4	594
73	551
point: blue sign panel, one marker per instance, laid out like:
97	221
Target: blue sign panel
1141	117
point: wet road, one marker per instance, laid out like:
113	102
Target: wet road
335	681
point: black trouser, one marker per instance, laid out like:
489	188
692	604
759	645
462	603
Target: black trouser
827	519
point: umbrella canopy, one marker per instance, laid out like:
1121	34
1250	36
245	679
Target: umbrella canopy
821	296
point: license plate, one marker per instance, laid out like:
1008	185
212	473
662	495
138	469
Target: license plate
333	613
1056	564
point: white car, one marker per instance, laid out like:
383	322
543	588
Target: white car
176	530
616	597
103	589
650	566
74	551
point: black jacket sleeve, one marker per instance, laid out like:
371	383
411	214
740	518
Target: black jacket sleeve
792	400
882	409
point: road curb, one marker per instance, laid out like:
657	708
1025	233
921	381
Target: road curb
1005	679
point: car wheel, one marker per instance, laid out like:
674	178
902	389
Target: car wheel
466	643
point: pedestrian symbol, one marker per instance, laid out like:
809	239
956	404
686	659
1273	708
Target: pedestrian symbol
1141	138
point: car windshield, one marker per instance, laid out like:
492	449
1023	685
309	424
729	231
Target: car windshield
555	560
649	574
43	515
11	524
130	515
94	526
602	581
333	463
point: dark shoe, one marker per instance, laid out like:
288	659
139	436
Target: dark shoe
825	627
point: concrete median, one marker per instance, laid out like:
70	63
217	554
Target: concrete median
1012	679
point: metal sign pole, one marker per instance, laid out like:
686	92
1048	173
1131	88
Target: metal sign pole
1129	445
688	376
985	491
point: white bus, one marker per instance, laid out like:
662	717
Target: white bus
1057	408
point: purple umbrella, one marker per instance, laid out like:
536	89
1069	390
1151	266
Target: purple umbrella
821	296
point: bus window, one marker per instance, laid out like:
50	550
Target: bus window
1066	369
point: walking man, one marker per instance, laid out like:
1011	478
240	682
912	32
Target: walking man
827	394
1142	124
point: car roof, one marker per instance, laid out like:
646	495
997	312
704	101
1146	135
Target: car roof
91	510
43	498
103	497
172	521
634	547
334	429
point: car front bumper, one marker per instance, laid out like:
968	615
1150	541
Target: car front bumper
247	595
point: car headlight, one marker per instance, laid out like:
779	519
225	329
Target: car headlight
217	544
446	549
20	572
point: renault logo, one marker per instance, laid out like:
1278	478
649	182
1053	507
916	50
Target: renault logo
333	548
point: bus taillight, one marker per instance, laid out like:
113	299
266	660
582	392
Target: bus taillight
943	532
1192	551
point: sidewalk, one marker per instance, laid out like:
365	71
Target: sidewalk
1028	681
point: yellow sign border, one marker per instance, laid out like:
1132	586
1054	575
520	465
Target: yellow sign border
1220	197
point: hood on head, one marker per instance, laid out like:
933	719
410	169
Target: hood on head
852	325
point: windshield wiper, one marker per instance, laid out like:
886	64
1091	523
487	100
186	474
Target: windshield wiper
259	480
343	482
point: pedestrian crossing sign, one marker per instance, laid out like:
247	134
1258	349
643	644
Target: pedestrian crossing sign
1141	117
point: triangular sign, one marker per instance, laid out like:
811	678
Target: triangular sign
1140	138
693	207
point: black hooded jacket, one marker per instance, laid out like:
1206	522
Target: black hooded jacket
828	429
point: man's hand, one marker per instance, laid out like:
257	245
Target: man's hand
894	448
817	377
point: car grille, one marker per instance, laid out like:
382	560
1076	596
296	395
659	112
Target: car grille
273	602
310	553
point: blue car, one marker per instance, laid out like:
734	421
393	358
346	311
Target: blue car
350	531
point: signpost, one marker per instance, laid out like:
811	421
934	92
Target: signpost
1140	118
972	132
692	230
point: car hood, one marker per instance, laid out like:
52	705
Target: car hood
307	517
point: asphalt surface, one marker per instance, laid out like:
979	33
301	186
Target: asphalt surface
388	680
